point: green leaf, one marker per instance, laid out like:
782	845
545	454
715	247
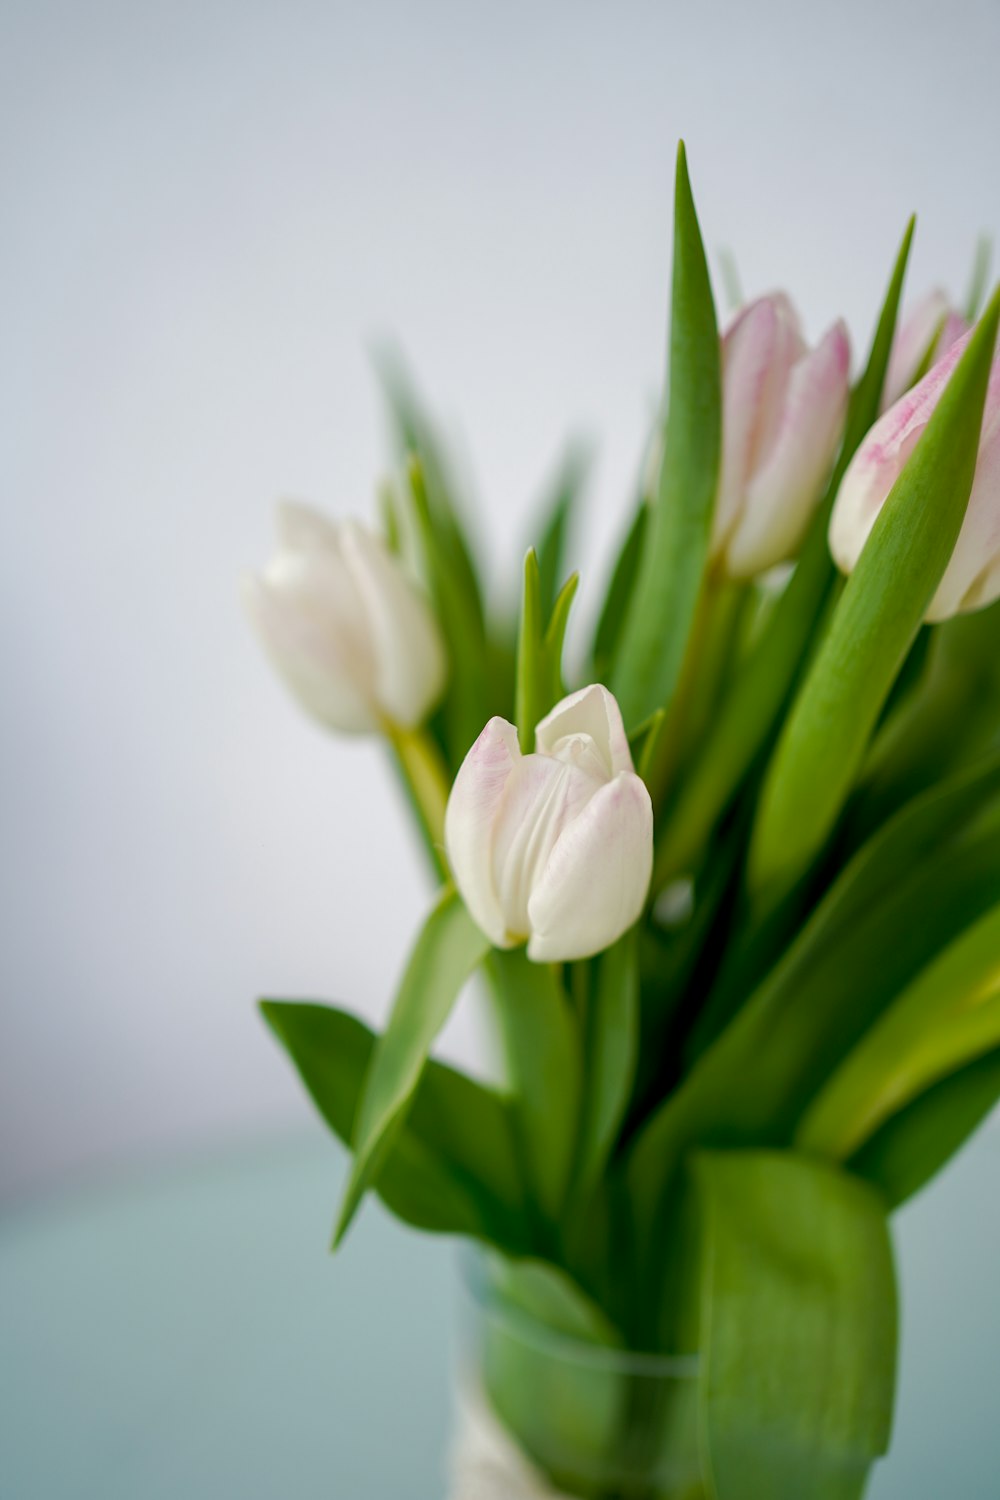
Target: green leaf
539	652
948	1016
902	898
467	704
543	1063
918	745
556	521
913	1146
674	554
611	1052
798	1328
453	1167
881	610
611	621
448	949
547	1295
747	714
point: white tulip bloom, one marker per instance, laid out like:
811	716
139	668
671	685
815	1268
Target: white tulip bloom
783	412
349	632
972	577
926	335
553	848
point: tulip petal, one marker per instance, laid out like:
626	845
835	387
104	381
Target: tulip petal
921	328
409	659
880	460
788	482
592	711
470	820
301	610
543	796
302	528
595	881
972	577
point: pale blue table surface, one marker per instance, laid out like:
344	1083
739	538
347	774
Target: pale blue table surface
183	1335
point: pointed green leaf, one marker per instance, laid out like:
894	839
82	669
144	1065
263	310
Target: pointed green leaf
947	1017
917	884
611	621
556	521
876	621
798	1328
611	1052
916	1143
453	1168
675	552
747	714
539	652
448	949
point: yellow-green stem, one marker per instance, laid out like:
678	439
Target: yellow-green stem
425	777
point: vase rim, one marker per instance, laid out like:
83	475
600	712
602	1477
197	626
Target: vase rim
559	1344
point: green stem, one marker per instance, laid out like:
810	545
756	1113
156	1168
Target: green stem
425	778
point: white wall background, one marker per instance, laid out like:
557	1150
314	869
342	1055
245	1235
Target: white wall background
209	210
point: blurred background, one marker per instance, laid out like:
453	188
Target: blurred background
211	213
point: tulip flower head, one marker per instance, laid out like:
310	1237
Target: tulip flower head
349	632
783	412
972	577
554	848
930	330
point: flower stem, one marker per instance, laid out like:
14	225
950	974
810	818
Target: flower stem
425	778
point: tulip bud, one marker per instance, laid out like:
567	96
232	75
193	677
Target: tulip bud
927	334
353	638
555	847
972	577
783	411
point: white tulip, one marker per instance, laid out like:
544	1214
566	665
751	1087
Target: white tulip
349	632
553	848
783	411
926	335
972	577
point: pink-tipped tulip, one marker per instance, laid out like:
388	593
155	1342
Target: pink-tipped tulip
349	632
555	848
783	410
926	335
972	577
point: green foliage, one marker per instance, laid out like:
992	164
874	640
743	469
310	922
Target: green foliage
539	651
544	1071
453	1166
798	1327
448	949
876	621
746	717
668	583
611	1040
910	1148
555	523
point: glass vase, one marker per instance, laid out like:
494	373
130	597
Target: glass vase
543	1414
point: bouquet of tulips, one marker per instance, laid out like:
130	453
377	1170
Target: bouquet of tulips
736	899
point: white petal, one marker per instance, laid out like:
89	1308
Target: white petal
595	881
759	350
309	654
470	823
786	486
879	461
594	712
408	653
972	577
923	327
542	797
302	528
